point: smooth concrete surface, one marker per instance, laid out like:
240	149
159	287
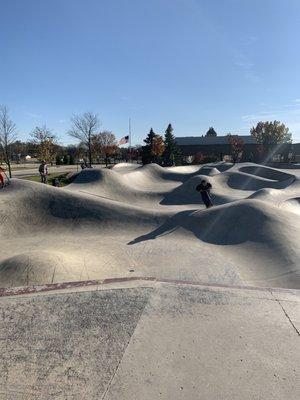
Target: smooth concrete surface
140	340
150	221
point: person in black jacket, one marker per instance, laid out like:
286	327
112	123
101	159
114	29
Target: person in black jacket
43	170
204	188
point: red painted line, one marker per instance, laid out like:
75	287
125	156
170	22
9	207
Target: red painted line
24	290
14	291
128	279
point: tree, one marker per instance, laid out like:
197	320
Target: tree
58	160
81	151
7	135
158	146
149	139
171	150
268	133
66	159
84	127
147	149
18	150
153	149
46	143
236	145
211	132
272	138
71	159
104	143
198	158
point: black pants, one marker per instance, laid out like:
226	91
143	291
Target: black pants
43	178
206	199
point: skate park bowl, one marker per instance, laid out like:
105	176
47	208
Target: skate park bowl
122	285
83	231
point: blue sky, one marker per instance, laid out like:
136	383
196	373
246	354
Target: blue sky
194	63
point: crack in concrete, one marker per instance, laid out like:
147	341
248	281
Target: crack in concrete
287	316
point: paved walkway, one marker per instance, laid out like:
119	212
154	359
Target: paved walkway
147	339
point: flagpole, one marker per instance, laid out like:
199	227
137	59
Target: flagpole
129	139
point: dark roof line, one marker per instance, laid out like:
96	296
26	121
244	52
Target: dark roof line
211	140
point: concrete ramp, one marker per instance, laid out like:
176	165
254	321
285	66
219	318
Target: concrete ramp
151	221
147	340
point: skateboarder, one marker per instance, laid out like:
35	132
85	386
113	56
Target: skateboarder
204	188
43	170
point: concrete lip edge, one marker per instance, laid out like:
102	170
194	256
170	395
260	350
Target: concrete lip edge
27	290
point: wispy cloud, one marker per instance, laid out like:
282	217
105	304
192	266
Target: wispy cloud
258	116
291	110
290	116
32	115
247	67
243	62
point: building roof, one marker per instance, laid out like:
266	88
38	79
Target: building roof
211	140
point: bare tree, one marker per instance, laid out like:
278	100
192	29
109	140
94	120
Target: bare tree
46	143
7	135
84	127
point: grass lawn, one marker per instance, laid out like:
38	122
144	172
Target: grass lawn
64	179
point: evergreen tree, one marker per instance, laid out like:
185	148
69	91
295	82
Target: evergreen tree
154	148
171	154
149	139
211	132
147	150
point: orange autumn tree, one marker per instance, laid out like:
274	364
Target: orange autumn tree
154	148
158	146
104	144
236	147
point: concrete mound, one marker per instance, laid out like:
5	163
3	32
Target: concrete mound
150	221
111	185
33	267
40	208
210	171
245	181
187	194
266	194
266	172
222	166
125	167
292	205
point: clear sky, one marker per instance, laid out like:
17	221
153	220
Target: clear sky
194	63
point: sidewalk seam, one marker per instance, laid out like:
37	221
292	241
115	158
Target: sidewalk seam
286	314
121	359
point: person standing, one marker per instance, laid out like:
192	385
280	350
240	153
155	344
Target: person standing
43	170
204	188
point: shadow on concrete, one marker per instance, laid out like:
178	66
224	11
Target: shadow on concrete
236	223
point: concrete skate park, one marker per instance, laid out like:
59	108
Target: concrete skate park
139	292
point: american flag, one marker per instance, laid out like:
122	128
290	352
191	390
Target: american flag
124	140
